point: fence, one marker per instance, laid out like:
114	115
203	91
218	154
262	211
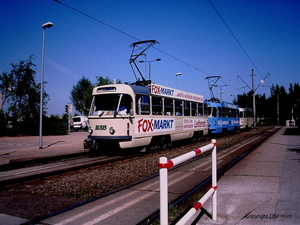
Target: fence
165	164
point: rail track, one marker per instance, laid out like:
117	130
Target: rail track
49	169
45	167
227	157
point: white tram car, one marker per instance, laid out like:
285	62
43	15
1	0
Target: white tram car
246	118
127	116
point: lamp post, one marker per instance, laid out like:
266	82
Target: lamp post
221	92
149	75
44	26
177	74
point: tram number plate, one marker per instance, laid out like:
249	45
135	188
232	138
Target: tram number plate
101	127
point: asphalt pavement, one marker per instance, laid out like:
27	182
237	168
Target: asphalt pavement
263	188
16	149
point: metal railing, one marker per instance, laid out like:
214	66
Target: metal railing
165	164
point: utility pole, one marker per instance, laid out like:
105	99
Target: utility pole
253	89
253	98
277	97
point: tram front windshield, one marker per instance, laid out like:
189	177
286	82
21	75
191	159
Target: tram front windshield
212	112
109	104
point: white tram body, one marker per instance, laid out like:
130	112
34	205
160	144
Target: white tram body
246	118
128	116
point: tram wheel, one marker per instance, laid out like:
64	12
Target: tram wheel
163	143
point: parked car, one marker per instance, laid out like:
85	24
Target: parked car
80	123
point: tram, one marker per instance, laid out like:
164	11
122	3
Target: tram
246	118
131	116
223	117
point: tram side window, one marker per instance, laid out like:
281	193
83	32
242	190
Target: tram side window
142	104
205	110
178	108
221	112
200	109
213	111
187	108
229	112
236	113
168	103
194	109
157	107
241	114
248	114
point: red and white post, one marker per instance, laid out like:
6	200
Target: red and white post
165	164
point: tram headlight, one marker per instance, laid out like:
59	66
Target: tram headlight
90	130
112	130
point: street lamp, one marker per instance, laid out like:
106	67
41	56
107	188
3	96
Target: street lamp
150	65
221	92
44	26
177	74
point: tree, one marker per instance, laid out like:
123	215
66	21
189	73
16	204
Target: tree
21	94
105	80
81	96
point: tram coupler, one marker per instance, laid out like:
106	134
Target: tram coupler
87	144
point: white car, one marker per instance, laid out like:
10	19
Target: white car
80	123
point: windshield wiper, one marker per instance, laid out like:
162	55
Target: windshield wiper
101	114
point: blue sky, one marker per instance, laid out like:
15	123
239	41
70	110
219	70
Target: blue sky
191	31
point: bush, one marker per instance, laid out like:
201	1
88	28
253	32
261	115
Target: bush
54	125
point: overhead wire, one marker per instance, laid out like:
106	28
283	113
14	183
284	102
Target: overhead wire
234	37
91	17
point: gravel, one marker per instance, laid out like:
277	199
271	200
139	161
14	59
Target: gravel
38	198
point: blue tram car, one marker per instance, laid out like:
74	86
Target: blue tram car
223	117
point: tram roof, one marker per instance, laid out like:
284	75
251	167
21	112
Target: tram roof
154	89
140	89
223	104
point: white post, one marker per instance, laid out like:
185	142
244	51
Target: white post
214	179
163	183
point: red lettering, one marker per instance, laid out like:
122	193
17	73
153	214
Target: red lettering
155	89
145	125
139	125
150	125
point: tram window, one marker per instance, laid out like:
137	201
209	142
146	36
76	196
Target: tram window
205	110
187	108
142	104
227	112
249	114
213	111
157	106
108	103
221	112
168	103
200	109
236	113
194	109
241	114
125	104
178	108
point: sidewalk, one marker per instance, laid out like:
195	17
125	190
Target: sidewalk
14	149
263	188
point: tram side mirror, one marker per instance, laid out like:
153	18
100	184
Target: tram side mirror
131	112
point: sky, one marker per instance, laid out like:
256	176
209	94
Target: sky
227	38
